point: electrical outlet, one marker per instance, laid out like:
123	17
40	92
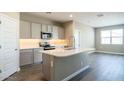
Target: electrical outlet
82	63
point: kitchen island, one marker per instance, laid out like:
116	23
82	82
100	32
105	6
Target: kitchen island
63	64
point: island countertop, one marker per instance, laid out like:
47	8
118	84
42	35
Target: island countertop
65	53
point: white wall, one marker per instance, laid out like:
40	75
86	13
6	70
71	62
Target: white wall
108	48
86	35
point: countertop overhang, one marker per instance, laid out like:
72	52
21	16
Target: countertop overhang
65	53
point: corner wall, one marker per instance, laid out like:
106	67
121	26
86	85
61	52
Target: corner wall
86	35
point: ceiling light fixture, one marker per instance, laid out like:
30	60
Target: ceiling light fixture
70	15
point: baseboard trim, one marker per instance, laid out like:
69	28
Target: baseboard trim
91	52
76	73
106	52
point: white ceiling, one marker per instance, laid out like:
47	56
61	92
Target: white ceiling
88	18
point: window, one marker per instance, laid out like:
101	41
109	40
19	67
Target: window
114	36
105	37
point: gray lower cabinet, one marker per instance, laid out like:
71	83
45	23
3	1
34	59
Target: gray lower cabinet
37	55
26	57
64	68
30	56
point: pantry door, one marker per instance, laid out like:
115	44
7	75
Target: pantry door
9	46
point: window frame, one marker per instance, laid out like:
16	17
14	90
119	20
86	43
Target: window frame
110	30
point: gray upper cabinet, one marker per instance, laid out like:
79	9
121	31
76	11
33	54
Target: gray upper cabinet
25	30
30	30
61	33
55	32
36	31
49	28
44	28
58	32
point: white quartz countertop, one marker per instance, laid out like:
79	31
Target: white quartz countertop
31	48
65	53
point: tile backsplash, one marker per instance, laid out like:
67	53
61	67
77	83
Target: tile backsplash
34	43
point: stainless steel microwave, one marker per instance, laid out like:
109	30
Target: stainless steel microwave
45	35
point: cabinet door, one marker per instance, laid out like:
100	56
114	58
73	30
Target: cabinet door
49	29
25	31
48	66
61	33
55	32
26	57
44	28
36	30
9	40
38	55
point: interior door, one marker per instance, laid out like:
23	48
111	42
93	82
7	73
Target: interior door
0	48
9	52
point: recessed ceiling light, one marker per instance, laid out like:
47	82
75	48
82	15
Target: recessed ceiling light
48	12
70	15
100	15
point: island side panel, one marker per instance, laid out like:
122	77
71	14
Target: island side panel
85	59
65	66
48	66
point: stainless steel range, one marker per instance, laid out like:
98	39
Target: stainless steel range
46	46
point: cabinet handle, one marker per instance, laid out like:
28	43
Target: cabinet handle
0	71
51	63
16	49
0	22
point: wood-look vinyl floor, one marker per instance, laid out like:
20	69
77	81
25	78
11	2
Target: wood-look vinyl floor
31	72
104	67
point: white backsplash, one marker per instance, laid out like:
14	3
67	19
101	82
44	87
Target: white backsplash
34	43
